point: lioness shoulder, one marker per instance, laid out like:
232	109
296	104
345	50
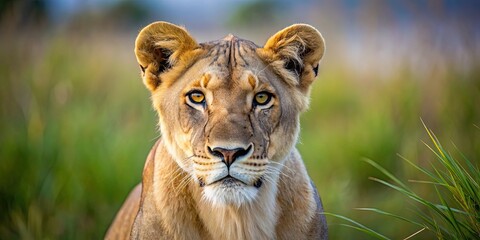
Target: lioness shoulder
226	166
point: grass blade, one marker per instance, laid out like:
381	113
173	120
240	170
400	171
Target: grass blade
392	215
358	226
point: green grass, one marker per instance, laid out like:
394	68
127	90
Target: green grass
76	125
456	212
76	128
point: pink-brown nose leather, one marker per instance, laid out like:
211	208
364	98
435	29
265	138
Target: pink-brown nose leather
229	156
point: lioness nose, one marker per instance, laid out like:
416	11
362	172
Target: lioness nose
229	156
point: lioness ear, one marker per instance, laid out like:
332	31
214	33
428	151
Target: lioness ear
294	53
159	46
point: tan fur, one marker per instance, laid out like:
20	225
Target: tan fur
226	167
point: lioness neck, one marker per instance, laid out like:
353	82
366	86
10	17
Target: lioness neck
184	210
255	220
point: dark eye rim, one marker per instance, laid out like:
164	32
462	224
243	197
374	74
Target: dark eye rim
269	99
189	95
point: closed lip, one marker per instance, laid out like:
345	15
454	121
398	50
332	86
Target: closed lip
228	178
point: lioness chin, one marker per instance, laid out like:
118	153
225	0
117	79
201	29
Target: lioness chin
226	166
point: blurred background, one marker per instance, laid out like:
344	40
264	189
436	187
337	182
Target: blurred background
76	122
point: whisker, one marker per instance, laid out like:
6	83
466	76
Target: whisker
269	179
274	172
280	173
283	166
183	183
177	173
284	173
155	139
288	171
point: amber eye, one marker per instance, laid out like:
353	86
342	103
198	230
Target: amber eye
196	97
262	98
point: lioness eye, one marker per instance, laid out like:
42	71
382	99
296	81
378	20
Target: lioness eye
262	98
196	97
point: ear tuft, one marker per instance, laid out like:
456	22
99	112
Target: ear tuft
293	65
158	47
294	53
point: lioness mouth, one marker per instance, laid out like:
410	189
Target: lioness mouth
230	181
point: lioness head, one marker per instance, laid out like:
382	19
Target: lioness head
229	109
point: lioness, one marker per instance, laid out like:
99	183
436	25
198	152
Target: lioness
226	166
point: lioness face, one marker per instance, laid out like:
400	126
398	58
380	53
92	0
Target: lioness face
229	110
221	114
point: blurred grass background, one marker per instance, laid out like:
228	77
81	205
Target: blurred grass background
76	122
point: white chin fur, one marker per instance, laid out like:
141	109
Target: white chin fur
220	195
